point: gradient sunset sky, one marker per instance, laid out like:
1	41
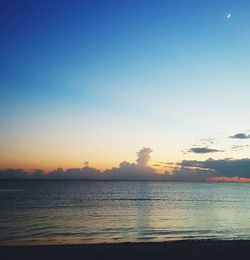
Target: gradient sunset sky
98	80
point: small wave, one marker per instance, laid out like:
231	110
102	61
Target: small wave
164	199
11	190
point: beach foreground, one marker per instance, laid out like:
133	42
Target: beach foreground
166	250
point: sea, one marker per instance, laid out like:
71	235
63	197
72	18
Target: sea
36	212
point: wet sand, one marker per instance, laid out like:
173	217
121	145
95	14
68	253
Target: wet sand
167	250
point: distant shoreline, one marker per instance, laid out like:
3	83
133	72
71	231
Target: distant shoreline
184	249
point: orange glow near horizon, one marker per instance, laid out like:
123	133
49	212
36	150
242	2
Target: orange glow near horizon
52	166
229	179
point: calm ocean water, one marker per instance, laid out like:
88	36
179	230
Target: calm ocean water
73	212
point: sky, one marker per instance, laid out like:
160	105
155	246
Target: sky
95	81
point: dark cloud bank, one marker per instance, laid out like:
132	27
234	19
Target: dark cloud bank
183	171
240	136
203	150
203	170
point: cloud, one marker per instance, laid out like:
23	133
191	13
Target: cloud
156	165
38	174
227	169
219	168
126	171
14	174
86	163
202	150
239	147
166	163
207	141
85	173
240	136
134	171
143	157
190	174
130	171
212	170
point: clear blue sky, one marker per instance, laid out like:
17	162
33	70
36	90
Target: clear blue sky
97	80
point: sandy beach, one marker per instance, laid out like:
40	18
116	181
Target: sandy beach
166	250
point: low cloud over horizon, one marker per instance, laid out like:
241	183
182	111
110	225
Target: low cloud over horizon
187	170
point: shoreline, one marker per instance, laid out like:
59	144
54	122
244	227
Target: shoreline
183	249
